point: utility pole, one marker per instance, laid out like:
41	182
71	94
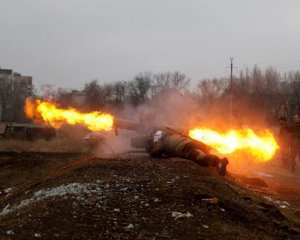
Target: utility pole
231	91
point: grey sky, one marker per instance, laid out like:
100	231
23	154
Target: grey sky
69	42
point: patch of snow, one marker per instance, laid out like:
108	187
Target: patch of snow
75	189
178	215
7	190
129	226
10	232
6	210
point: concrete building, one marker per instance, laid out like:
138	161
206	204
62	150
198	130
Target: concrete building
14	89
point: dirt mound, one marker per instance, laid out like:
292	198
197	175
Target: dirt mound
136	197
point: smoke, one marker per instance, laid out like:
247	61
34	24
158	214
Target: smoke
170	107
112	144
187	111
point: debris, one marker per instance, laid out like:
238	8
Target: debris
177	215
205	226
117	210
37	235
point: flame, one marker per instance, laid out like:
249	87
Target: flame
262	146
46	111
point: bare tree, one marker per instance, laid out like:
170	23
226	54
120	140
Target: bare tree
175	81
94	99
179	81
119	92
140	88
211	89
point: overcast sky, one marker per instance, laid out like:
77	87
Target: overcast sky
69	42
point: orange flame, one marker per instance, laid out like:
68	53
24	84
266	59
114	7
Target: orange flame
261	146
51	113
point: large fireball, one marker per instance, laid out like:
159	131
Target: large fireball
45	111
262	146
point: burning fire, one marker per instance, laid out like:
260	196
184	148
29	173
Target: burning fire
51	113
261	146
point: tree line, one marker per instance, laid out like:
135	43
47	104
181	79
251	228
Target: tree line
264	93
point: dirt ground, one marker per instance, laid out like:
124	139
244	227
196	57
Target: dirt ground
133	196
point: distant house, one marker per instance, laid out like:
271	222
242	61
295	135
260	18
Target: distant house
14	89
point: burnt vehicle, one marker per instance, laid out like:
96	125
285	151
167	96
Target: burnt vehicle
26	131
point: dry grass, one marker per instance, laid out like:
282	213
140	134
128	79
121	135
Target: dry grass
55	145
66	141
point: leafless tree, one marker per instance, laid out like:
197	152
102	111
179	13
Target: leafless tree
175	81
211	89
140	88
119	92
94	92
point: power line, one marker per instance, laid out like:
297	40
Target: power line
230	90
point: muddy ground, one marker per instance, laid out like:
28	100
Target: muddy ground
133	196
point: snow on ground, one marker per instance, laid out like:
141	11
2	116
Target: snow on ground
80	190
